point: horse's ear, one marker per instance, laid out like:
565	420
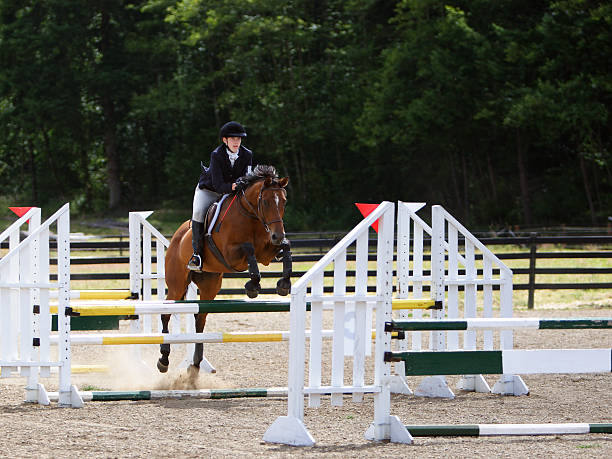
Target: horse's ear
283	182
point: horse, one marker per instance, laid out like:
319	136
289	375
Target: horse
249	230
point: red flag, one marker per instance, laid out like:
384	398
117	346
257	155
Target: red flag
21	211
367	209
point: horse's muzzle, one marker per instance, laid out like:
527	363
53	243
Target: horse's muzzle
277	238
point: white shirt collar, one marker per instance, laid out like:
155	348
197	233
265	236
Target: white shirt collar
232	156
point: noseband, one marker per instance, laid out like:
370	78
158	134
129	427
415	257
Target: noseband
257	214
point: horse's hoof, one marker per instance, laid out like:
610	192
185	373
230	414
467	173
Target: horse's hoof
282	287
193	371
161	367
252	289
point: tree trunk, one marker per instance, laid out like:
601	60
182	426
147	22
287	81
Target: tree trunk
52	165
587	187
523	179
466	204
492	178
33	171
454	180
84	161
110	124
110	149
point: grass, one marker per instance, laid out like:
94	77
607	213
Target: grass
90	388
588	446
543	298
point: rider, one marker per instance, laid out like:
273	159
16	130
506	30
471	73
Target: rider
228	162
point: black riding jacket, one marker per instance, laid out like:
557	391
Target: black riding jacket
220	175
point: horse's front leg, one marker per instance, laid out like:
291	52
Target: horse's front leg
284	284
253	286
198	353
163	362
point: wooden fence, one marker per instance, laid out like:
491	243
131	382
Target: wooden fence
310	247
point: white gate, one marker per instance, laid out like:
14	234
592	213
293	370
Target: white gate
25	313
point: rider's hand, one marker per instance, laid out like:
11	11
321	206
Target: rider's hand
241	184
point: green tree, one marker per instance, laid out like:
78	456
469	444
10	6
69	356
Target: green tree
40	88
420	116
285	69
558	102
498	110
69	77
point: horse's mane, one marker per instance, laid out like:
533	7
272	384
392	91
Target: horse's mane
261	172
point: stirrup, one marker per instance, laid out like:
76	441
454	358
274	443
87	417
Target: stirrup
195	263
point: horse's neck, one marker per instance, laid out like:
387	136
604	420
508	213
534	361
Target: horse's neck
232	208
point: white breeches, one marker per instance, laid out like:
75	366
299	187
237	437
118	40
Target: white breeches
202	199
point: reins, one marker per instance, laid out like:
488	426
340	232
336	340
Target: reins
256	214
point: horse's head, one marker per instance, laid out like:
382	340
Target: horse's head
267	196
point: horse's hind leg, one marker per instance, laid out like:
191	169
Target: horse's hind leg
209	285
163	362
178	278
198	353
174	293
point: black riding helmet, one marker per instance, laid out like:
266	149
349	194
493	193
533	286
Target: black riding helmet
232	129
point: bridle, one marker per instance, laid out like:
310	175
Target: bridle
257	213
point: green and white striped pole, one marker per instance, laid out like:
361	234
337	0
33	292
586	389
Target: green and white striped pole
481	430
501	323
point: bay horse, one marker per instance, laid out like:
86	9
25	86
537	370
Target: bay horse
249	230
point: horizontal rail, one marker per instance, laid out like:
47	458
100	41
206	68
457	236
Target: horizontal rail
372	257
351	273
186	338
482	430
500	324
426	288
297	242
127	307
115	396
535	361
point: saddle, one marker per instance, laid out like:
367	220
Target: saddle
212	215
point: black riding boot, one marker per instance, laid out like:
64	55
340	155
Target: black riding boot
195	263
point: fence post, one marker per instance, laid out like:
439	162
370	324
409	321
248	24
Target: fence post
533	246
